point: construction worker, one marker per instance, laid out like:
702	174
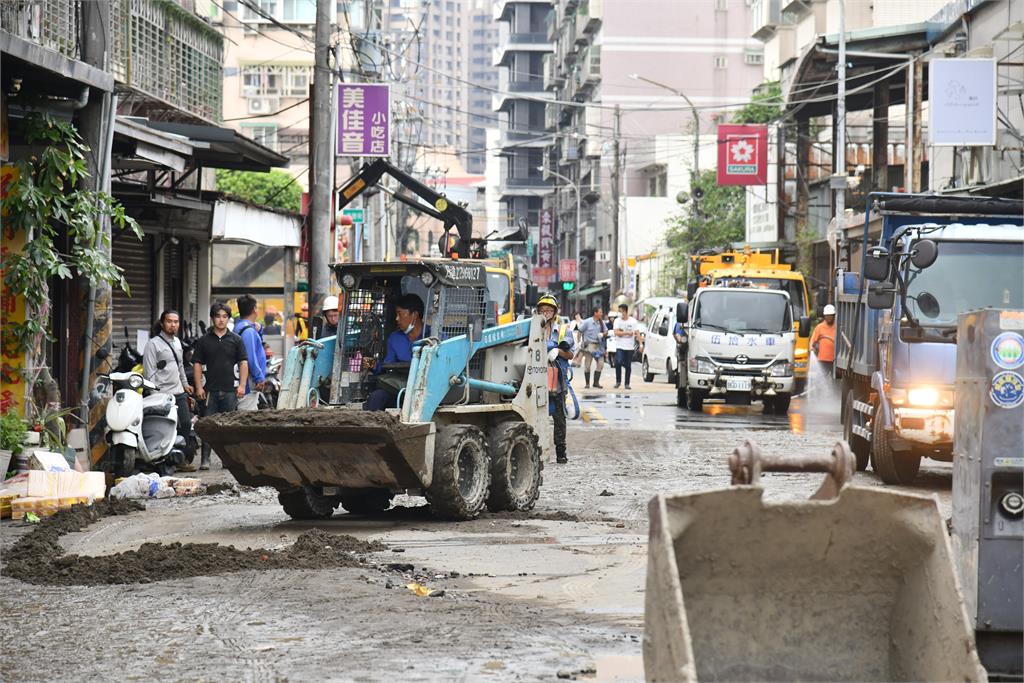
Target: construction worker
299	329
328	325
823	340
561	348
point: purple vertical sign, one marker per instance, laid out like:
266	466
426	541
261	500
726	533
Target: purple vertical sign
364	119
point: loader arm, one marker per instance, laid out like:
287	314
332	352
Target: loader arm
438	366
449	213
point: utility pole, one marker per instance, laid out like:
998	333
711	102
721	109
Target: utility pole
616	173
839	162
322	161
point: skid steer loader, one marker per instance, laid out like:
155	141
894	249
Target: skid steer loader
856	584
468	429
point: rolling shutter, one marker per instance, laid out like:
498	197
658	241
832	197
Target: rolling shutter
136	311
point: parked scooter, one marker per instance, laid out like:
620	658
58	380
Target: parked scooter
272	384
142	429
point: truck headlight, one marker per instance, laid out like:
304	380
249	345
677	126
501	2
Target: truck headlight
928	397
783	369
702	366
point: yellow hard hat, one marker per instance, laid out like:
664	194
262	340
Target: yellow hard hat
547	300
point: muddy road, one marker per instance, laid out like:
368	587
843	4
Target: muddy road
554	593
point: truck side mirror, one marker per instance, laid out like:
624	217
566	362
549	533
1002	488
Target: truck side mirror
691	290
923	253
804	328
531	296
881	296
681	311
876	264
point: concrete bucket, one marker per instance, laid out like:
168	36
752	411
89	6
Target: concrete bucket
856	584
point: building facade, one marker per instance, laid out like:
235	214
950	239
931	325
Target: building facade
642	78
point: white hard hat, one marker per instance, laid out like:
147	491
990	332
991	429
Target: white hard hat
829	310
331	303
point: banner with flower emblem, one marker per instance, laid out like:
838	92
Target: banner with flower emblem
742	155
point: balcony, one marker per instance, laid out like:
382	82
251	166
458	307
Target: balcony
53	24
552	114
553	74
764	18
524	186
521	139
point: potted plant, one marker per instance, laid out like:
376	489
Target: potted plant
13	431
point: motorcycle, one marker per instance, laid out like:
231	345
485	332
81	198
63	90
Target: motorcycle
142	429
272	386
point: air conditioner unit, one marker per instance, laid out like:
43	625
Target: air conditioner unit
262	105
601	256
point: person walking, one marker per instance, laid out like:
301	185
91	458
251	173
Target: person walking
593	332
162	365
823	340
561	347
257	358
219	353
270	324
626	331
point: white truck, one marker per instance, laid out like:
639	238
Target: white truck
740	348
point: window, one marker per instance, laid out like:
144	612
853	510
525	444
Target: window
721	5
262	133
300	11
290	11
263	80
752	57
721	62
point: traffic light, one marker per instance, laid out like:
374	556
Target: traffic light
568	286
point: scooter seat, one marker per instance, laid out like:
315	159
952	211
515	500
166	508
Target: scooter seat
157	404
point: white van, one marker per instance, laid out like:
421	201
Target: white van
659	357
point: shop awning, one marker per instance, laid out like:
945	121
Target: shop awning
238	222
588	291
217	147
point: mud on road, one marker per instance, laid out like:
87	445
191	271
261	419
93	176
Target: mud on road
526	596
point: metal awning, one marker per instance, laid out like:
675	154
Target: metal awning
239	222
139	147
217	147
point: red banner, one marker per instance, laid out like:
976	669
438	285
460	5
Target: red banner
742	154
546	245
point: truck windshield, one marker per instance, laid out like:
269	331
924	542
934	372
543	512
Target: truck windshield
794	288
743	311
966	276
497	291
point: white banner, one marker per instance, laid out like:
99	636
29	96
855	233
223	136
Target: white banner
762	207
962	102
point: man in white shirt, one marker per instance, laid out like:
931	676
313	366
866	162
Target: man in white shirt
626	330
162	365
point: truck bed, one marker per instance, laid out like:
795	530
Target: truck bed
856	349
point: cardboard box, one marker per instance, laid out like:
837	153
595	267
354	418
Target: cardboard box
43	507
62	484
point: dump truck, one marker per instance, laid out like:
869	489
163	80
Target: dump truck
468	423
765	270
930	259
740	347
856	584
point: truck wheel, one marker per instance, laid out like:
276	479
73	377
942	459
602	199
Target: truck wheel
695	400
461	473
366	501
307	503
780	404
515	467
645	368
673	376
894	467
860	447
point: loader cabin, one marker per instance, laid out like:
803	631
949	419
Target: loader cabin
459	297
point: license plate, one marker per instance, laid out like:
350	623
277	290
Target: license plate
741	384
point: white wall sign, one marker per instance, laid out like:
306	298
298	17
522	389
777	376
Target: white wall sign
962	102
762	220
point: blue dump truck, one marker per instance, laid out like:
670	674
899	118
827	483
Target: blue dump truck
922	260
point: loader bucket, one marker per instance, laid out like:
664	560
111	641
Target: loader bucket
860	587
342	447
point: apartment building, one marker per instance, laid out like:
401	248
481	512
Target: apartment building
652	60
523	41
483	39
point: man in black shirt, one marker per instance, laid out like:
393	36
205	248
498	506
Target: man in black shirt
218	352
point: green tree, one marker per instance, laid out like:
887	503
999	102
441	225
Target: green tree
765	105
717	219
44	201
277	189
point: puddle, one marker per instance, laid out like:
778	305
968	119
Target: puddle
618	668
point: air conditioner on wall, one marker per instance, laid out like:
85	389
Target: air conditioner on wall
262	105
600	256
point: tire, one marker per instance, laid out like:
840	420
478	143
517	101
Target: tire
307	503
645	370
780	404
894	467
366	501
461	473
516	466
695	400
673	376
860	447
122	460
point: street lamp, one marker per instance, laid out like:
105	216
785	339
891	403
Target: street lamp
696	123
576	187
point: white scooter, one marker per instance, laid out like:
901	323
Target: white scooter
142	429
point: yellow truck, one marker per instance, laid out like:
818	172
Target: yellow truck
759	269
